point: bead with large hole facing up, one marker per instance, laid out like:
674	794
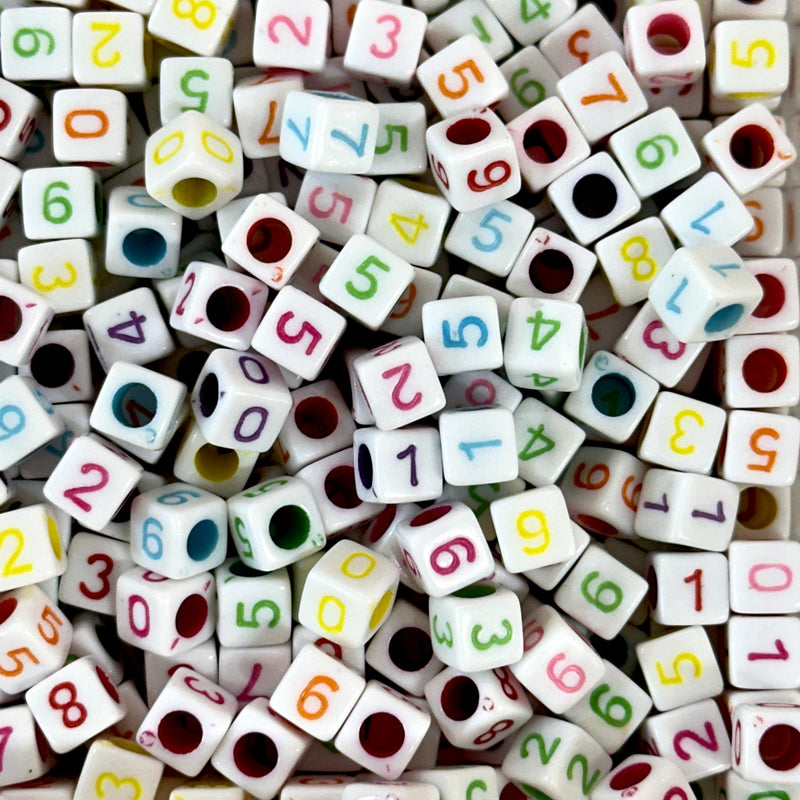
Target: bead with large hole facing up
193	165
275	523
61	368
779	308
473	160
383	731
766	742
187	721
542	771
639	774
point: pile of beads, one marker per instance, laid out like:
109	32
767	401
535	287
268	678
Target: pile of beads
470	473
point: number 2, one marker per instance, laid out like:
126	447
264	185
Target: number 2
72	494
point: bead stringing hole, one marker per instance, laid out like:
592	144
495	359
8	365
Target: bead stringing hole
180	732
316	417
216	463
764	370
758	508
269	240
135	405
630	776
340	487
551	271
10	318
594	196
191	616
668	34
202	540
779	747
381	735
752	146
52	365
255	754
410	649
228	308
544	141
773	298
468	131
459	698
289	527
194	192
144	247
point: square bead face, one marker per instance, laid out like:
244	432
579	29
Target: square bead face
37	44
198	28
762	653
530	22
779	308
108	50
763	577
400	147
469	16
761	371
531	79
206	81
291	35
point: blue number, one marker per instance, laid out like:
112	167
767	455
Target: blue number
498	236
149	535
177	498
461	341
723	268
697	224
292	126
343	137
10	430
143	201
63	444
468	447
670	305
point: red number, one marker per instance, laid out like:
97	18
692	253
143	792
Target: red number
54	621
708	744
481	383
498	727
404	371
294	338
303	37
91	487
604	312
6	109
472	176
139	630
214	697
452	561
503	674
589	483
334	649
67	720
440	171
105	588
189	280
255	674
697	578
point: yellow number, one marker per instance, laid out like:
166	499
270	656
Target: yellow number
748	61
337	626
117	783
203	21
543	531
10	568
677	677
641	258
408	228
228	152
367	568
687	449
111	29
158	155
58	283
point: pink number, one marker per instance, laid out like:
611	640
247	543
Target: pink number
294	338
755	583
570	669
662	346
214	697
675	791
781	655
452	561
92	487
5	734
480	383
143	630
708	744
404	371
303	37
391	36
472	176
189	281
324	213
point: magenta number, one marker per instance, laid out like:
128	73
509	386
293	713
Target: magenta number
780	654
294	338
139	630
709	744
445	552
214	697
404	371
188	281
5	734
92	487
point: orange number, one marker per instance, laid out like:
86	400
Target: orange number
618	95
460	70
589	483
309	692
759	451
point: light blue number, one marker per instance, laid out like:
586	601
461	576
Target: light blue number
697	224
343	137
723	268
461	340
177	498
671	305
11	430
143	201
148	536
303	137
470	447
498	236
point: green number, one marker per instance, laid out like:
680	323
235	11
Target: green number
252	622
189	92
445	638
544	754
659	154
62	202
613	702
519	91
605	586
482	504
26	52
537	435
586	781
543	330
539	9
238	528
266	487
493	639
477	784
372	283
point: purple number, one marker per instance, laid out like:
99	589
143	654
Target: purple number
411	453
237	431
245	361
719	516
135	321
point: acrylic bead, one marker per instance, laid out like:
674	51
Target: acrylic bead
269	240
767	236
209	81
762	577
779	308
112	764
481	388
26	317
454	782
529	22
679	668
469	17
24	109
761	651
329	132
477	710
108	49
531	79
159	669
762	742
250	672
292	35
200	27
37	636
164	616
25	757
549	577
400	146
74	703
37	44
651	775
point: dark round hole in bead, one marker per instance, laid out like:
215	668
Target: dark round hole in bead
340	487
551	271
752	146
475	590
365	466
460	698
135	405
630	776
381	523
107	636
191	616
255	755
429	515
758	508
594	195
764	370
774	297
316	417
7	608
144	247
180	732
289	527
468	131
613	395
596	525
544	141
668	34
52	365
228	308
779	747
10	318
202	540
216	463
190	366
208	395
381	735
241	570
269	240
652	588
410	648
512	792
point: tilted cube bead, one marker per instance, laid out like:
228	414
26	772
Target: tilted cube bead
25	757
762	734
653	775
112	764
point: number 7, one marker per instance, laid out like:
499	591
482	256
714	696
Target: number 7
619	95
